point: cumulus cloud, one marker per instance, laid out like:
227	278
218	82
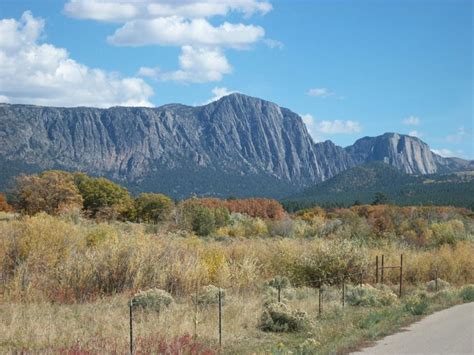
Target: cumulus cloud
40	73
177	31
339	127
318	129
197	65
219	92
180	23
411	121
415	133
122	10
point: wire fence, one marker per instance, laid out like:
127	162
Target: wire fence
331	289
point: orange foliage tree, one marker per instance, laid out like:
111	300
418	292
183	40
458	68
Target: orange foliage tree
4	206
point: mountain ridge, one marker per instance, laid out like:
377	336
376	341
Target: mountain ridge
257	146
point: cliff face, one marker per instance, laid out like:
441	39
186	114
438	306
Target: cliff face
408	154
238	145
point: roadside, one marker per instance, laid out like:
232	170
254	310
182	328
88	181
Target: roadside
449	331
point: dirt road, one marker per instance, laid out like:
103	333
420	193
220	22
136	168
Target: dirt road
450	331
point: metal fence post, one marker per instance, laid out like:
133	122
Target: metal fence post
376	269
220	318
320	304
343	292
401	273
279	293
381	273
131	327
436	279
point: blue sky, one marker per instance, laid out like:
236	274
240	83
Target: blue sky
350	68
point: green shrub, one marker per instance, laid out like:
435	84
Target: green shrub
431	285
369	296
153	299
278	317
372	319
279	282
209	295
467	293
309	346
417	304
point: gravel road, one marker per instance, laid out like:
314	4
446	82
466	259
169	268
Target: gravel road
450	331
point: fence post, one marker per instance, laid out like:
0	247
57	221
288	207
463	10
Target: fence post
196	312
279	293
381	276
376	269
436	279
343	292
131	326
220	318
401	273
320	303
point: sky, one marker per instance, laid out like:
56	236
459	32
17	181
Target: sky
350	68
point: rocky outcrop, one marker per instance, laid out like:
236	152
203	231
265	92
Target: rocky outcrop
238	145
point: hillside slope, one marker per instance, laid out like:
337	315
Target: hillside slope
361	183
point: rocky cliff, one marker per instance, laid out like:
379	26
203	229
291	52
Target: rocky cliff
238	145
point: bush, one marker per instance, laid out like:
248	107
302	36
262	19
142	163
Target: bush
467	293
153	299
209	295
431	285
369	296
417	304
278	317
309	346
101	233
153	208
279	282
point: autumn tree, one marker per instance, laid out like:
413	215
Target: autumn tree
51	191
4	206
104	198
153	208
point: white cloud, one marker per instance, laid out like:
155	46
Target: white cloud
444	152
40	73
339	127
122	10
219	92
411	121
460	135
310	123
415	133
113	11
273	43
177	31
197	65
320	92
318	129
180	23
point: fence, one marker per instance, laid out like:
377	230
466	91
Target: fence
319	284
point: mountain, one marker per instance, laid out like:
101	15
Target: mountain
408	154
238	145
361	183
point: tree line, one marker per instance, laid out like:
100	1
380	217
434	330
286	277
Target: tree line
57	192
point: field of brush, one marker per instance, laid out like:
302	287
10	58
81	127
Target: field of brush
67	281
